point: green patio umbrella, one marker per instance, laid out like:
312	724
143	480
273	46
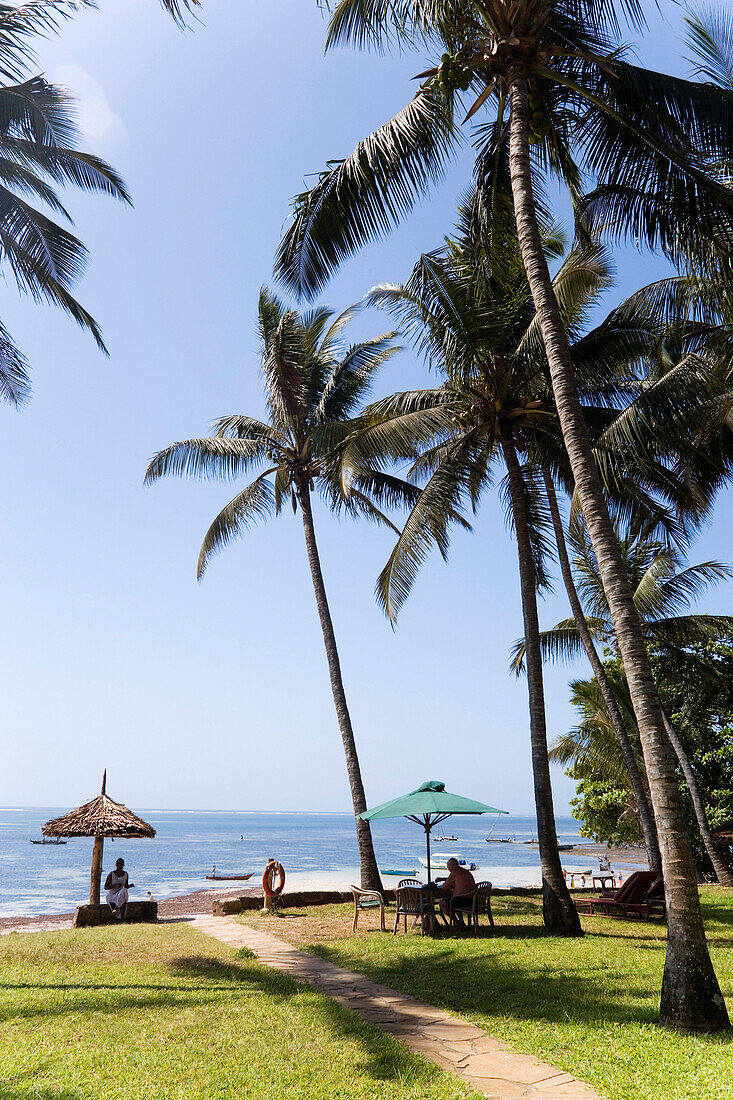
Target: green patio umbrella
430	804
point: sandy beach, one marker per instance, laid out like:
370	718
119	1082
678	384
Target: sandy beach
187	904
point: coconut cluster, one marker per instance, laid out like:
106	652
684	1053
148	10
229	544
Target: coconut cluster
452	74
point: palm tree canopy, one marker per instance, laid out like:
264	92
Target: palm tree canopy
468	310
651	142
664	588
314	384
39	151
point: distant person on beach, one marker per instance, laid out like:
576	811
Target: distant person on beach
117	886
463	886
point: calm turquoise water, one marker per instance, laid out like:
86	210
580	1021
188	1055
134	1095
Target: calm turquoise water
317	848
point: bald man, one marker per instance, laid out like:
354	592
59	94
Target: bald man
463	886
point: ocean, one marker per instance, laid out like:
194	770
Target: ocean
316	849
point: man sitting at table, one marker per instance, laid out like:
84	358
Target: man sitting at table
463	886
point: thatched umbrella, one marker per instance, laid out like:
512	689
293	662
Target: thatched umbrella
99	818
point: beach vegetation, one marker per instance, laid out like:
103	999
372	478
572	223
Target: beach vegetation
664	588
694	687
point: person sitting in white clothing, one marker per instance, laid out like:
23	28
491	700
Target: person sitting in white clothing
117	886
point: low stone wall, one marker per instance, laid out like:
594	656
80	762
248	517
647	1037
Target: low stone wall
89	916
227	906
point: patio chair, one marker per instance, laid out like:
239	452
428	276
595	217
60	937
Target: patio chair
412	902
408	882
630	898
367	899
480	902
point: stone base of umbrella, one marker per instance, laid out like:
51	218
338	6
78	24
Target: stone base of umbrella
100	818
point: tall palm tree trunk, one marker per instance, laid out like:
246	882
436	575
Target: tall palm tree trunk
560	915
370	879
646	817
691	997
722	870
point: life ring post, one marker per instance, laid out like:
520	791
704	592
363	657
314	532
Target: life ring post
273	882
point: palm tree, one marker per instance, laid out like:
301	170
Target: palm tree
663	589
469	309
567	102
38	149
313	384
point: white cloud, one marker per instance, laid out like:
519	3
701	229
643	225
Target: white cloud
94	116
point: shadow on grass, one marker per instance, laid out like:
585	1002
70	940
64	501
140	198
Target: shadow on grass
21	1087
488	985
206	981
221	979
385	1058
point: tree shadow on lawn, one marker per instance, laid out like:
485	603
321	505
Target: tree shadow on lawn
95	996
20	1087
486	985
386	1058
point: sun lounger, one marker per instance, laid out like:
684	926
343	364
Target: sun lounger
642	895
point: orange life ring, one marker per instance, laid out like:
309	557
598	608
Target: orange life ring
273	870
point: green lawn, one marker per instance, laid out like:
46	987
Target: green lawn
164	1013
588	1006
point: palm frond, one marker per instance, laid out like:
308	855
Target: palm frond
208	458
681	631
437	507
21	22
14	380
352	376
677	592
710	42
256	502
561	643
362	197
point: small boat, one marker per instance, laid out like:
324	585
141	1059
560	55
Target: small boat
213	877
565	847
500	840
48	840
399	874
440	839
440	863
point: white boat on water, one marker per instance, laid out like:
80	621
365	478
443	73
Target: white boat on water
440	862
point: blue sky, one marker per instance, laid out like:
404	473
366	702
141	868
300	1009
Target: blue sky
216	695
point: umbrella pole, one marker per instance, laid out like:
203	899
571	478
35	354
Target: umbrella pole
427	839
96	870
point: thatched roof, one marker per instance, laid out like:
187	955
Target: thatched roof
100	817
725	831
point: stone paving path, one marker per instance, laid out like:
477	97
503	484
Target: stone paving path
487	1064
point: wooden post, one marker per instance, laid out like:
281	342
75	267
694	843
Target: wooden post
96	870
